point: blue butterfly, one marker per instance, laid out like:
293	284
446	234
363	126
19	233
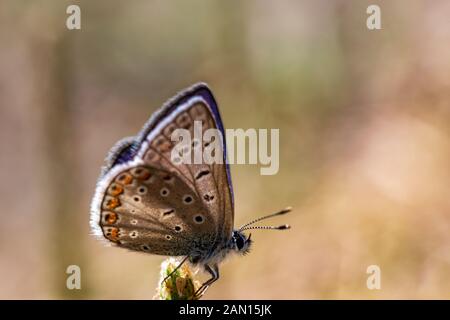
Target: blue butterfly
145	202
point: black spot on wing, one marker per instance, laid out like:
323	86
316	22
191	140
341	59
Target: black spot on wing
202	174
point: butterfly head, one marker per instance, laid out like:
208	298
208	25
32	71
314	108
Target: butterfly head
240	242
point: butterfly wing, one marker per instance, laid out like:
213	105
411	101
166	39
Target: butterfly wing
166	208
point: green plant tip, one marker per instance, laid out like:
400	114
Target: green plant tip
180	285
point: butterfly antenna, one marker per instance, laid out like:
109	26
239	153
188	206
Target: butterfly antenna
282	227
284	211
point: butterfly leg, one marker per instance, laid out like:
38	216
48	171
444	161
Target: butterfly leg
214	272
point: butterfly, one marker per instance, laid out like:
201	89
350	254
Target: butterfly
145	202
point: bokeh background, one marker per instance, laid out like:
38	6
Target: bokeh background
364	128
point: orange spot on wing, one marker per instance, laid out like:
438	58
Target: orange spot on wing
125	178
115	189
113	234
141	173
145	175
111	218
112	203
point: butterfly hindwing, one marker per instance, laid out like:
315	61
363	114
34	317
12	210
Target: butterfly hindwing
147	209
159	201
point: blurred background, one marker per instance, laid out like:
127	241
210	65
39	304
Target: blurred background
364	139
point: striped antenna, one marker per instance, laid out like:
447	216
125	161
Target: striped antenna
282	227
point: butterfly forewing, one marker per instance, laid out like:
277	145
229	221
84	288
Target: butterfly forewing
201	178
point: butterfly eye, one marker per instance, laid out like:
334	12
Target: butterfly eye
178	228
239	243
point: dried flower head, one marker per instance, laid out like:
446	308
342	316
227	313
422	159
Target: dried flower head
180	285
